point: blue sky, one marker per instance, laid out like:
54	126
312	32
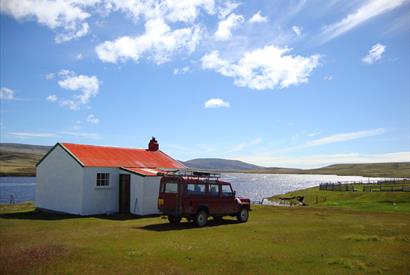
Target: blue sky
274	83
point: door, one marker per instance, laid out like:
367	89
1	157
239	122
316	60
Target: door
124	194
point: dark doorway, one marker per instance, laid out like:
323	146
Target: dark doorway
124	192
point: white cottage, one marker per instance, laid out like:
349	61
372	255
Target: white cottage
90	180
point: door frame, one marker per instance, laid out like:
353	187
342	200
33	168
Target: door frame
124	179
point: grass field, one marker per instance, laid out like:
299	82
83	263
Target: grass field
18	163
279	240
366	201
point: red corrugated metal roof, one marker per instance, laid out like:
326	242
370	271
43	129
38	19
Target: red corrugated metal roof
104	156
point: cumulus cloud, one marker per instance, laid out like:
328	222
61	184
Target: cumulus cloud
297	30
93	119
182	70
6	93
374	54
216	103
265	68
258	18
66	17
51	98
227	8
328	77
158	42
87	86
366	12
225	27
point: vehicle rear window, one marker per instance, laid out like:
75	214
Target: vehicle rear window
196	188
227	190
171	187
214	189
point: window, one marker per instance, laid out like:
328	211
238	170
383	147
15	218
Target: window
227	190
196	188
213	189
103	179
171	187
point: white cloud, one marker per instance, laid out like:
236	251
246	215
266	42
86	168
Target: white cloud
170	10
79	56
93	119
227	8
225	27
241	146
258	18
265	68
297	30
52	98
32	134
182	70
315	133
375	53
366	12
337	138
50	76
315	161
67	16
158	42
87	85
216	103
328	77
6	93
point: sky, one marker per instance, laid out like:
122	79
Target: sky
274	83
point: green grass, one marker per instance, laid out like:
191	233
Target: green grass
276	240
367	201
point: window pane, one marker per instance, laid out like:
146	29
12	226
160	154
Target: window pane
226	190
171	187
214	189
196	188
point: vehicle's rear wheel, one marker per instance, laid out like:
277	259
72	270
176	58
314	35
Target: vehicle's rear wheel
201	218
243	215
174	219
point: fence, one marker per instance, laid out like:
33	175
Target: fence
391	185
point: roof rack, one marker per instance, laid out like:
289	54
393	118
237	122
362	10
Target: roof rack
194	174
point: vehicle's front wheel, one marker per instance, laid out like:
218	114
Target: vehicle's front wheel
243	215
174	219
201	218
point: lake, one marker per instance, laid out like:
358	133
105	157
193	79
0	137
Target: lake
254	186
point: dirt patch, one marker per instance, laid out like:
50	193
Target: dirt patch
21	260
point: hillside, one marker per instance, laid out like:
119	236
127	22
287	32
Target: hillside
220	164
20	159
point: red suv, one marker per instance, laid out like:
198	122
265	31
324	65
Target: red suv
198	195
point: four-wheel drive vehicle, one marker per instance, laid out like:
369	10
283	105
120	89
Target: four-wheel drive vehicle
198	195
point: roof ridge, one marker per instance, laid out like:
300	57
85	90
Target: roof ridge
105	146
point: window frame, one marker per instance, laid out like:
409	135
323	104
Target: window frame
103	180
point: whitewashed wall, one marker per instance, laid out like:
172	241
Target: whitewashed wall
100	199
59	183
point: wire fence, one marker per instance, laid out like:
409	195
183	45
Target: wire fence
390	185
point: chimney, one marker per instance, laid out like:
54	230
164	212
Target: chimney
153	145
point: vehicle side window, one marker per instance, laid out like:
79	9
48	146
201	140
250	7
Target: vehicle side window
213	189
171	187
227	190
196	188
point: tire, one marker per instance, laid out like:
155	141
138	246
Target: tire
243	215
174	219
201	218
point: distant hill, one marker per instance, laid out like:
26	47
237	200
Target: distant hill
20	160
220	164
